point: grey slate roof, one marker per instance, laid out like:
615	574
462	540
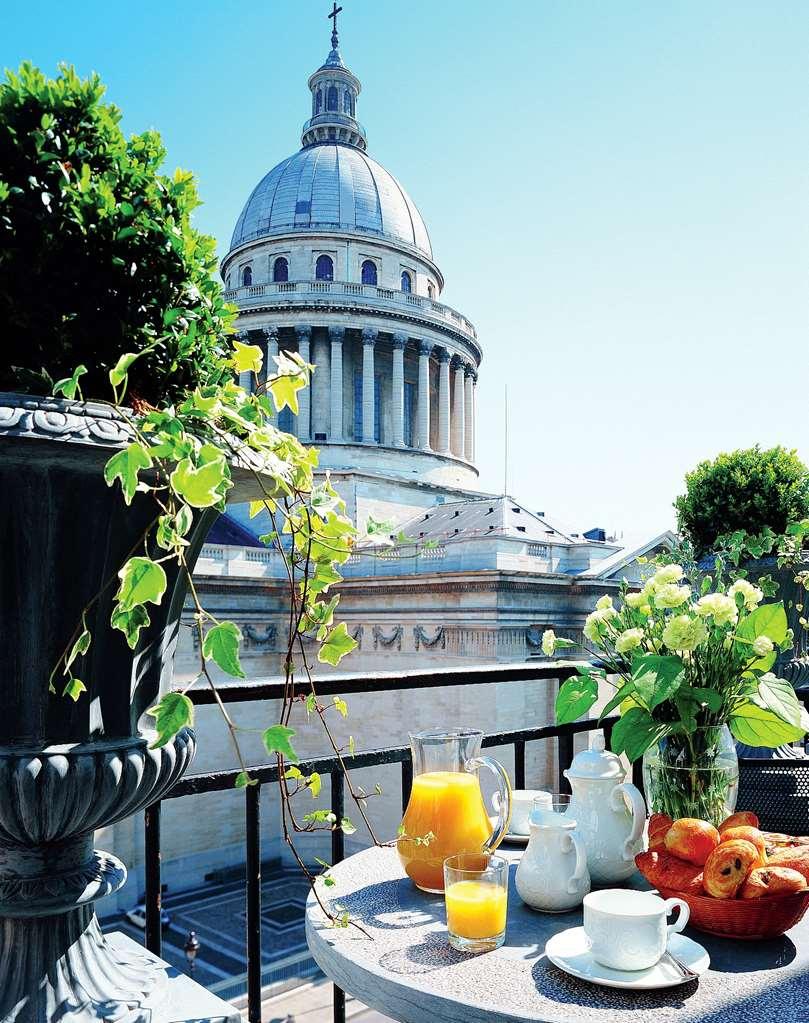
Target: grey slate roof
489	516
333	187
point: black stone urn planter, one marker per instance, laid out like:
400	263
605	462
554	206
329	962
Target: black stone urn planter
69	768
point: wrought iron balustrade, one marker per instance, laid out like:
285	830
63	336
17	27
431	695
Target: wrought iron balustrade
265	774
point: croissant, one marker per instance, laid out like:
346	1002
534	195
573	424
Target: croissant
737	820
764	881
727	867
659	824
748	834
666	871
796	858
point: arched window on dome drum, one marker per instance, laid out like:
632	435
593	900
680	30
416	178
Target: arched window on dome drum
331	98
247	276
280	269
348	103
324	268
318	101
407	281
369	272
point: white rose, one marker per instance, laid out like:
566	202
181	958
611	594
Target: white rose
762	645
629	640
548	642
752	595
718	606
668	574
671	595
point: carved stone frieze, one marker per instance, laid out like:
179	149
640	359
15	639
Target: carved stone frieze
421	639
394	639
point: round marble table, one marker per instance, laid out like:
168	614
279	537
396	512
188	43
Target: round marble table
406	969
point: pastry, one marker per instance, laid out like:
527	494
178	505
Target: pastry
659	824
797	858
737	820
768	881
691	839
748	834
666	871
727	867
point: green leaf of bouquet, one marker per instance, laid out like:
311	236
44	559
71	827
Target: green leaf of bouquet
575	698
768	620
174	712
635	733
277	740
130	622
221	645
200	486
777	695
709	697
656	678
625	691
758	726
338	643
125	466
143	581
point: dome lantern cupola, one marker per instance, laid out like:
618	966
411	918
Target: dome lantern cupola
334	101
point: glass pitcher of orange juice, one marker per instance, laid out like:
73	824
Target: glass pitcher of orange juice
446	814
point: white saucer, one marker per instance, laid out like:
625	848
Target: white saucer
568	950
512	839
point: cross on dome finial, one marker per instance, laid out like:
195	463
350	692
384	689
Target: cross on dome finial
333	17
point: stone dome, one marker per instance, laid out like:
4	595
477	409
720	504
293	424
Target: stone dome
334	187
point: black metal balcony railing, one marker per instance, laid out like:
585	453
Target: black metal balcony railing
268	773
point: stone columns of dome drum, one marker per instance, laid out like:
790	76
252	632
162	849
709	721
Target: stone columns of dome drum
245	378
423	440
457	408
270	365
336	335
304	336
474	415
443	402
320	387
397	385
369	336
469	416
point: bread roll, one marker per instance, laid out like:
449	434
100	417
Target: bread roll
769	881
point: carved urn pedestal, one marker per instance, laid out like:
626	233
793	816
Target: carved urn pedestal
69	768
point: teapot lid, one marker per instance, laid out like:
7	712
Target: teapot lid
596	762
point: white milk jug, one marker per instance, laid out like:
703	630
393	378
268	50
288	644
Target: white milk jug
552	874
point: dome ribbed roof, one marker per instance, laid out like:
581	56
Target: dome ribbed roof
331	187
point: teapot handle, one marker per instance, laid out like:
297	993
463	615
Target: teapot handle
618	799
503	804
570	840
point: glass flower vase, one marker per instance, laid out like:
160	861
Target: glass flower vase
695	775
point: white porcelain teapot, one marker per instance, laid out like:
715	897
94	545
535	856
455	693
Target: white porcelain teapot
610	814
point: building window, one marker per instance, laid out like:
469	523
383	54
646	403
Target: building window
431	290
407	281
247	276
331	98
280	269
324	268
318	101
348	105
369	272
286	420
409	406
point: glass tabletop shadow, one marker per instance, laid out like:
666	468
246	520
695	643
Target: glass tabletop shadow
734	956
433	953
394	905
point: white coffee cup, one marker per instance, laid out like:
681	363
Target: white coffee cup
522	802
626	930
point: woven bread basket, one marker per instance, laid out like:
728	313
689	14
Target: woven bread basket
744	919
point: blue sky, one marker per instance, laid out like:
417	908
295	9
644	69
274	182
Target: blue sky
616	193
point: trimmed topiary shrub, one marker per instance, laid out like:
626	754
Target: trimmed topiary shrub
746	490
98	256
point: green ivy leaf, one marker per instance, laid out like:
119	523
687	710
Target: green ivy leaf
247	358
183	520
125	466
69	386
337	644
575	698
325	575
74	687
635	732
346	826
119	371
80	647
130	622
758	726
221	645
341	706
277	740
315	784
143	581
172	713
243	779
201	486
351	746
311	703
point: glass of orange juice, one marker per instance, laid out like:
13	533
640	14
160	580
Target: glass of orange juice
476	897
